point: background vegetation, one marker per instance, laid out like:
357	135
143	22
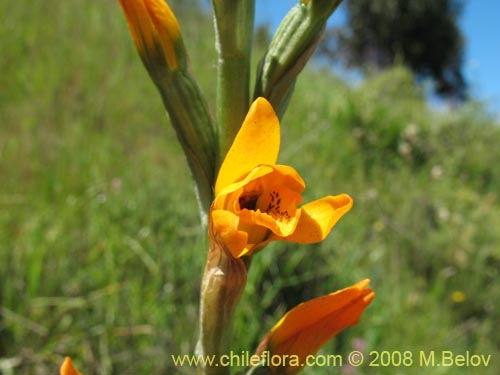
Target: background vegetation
100	246
423	35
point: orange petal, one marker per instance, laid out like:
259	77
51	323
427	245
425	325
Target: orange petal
318	218
225	230
308	326
67	368
289	177
262	223
257	142
281	175
255	174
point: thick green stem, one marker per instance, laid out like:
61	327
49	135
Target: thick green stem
234	30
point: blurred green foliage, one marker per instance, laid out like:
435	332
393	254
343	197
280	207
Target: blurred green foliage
101	250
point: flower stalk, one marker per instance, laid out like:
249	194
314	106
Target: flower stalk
253	201
223	283
157	36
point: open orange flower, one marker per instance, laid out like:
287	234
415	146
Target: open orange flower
256	201
309	326
67	368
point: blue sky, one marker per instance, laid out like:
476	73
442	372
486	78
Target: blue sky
480	26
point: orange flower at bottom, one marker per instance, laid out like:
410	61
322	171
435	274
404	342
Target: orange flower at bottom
310	325
67	368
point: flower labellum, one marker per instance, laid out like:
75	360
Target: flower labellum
256	201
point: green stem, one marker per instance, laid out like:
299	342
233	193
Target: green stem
234	31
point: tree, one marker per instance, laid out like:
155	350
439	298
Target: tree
422	34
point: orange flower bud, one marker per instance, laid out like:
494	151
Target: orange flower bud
155	31
67	368
310	325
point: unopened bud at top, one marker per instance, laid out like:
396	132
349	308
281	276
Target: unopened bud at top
156	33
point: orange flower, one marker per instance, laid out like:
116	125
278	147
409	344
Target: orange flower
310	325
256	201
67	368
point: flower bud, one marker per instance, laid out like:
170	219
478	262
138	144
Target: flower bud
310	325
290	49
156	34
67	368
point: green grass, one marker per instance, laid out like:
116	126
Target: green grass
101	250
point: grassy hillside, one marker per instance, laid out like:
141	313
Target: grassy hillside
101	251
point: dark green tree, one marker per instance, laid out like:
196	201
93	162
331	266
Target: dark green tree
421	34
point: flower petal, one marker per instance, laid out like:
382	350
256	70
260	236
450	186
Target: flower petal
256	143
255	174
318	218
67	368
225	230
254	220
